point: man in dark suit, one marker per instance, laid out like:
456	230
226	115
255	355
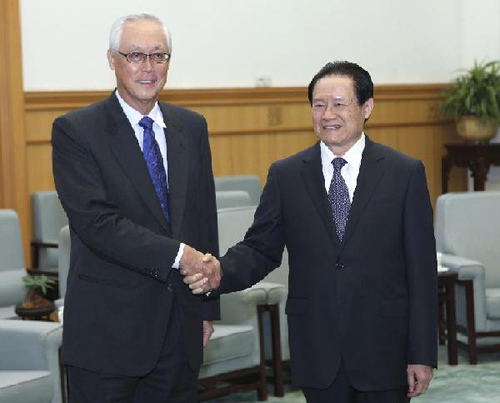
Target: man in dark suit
135	178
356	219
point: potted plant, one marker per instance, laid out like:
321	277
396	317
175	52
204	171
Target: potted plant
37	287
474	101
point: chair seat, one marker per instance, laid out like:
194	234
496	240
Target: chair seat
229	342
8	312
493	303
26	387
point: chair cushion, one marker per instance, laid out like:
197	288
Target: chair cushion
493	303
26	387
228	342
8	312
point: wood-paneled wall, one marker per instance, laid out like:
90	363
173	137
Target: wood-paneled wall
13	179
251	128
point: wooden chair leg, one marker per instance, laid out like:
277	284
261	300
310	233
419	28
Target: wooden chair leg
441	324
262	390
277	362
471	322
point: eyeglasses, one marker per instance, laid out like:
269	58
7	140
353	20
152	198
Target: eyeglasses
139	57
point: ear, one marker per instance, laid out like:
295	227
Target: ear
111	59
368	108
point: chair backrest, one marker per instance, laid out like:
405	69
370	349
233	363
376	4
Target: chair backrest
12	267
233	225
48	219
232	198
248	183
468	225
11	244
63	259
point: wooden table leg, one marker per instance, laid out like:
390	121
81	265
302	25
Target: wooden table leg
451	322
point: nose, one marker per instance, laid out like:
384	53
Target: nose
329	112
147	65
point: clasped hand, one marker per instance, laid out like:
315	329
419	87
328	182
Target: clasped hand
201	272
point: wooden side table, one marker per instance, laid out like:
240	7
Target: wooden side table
446	297
477	157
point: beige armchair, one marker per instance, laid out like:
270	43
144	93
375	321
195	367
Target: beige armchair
468	234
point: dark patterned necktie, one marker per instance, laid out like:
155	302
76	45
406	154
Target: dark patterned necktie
154	161
338	196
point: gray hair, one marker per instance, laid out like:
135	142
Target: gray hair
117	27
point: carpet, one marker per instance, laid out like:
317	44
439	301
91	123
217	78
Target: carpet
462	383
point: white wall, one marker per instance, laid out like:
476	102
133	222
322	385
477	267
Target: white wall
231	43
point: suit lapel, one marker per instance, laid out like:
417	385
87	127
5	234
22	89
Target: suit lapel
370	173
178	168
312	175
126	149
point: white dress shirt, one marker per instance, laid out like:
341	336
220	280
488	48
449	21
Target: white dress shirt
134	116
350	171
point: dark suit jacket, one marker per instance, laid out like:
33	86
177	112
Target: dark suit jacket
370	300
121	286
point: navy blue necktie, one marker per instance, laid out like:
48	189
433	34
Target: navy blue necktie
154	161
338	196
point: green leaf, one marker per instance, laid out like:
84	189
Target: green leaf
475	92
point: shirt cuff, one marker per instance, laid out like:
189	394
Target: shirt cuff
178	257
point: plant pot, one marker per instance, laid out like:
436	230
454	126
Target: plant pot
470	128
34	299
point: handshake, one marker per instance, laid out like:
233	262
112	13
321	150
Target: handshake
201	272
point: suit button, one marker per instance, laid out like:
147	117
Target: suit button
169	287
341	265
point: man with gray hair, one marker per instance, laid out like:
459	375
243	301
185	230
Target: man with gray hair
135	179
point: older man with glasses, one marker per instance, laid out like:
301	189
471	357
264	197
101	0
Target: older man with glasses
134	176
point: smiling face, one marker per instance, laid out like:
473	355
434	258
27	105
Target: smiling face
338	119
140	84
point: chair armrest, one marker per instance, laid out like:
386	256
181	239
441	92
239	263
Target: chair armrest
468	269
276	293
241	307
30	345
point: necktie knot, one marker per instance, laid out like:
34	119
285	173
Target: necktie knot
146	123
338	163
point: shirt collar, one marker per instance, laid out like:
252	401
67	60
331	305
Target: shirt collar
352	156
134	116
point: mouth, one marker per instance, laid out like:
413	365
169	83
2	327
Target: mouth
146	82
332	127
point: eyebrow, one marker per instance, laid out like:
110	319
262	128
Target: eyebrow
156	49
337	98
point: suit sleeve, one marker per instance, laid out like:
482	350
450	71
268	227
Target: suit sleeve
261	251
420	248
93	215
211	305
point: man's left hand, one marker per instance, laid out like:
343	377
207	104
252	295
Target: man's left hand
419	377
208	330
